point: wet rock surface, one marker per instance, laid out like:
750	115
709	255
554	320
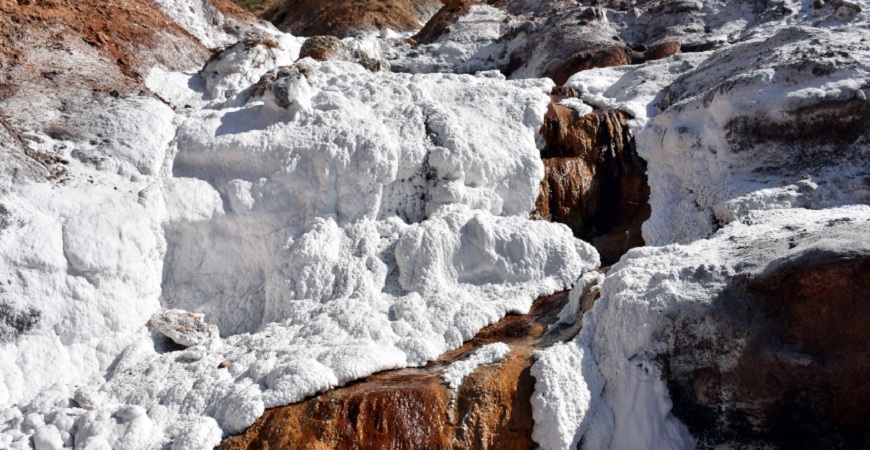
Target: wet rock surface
595	182
415	409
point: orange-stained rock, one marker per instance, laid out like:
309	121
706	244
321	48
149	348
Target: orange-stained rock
594	180
414	408
322	48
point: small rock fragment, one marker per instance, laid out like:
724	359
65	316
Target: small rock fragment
290	90
86	397
845	11
183	327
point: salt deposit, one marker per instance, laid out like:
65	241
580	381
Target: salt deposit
456	372
322	248
348	222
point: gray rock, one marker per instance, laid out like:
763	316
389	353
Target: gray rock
183	327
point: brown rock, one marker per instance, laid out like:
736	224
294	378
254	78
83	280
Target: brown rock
414	409
441	22
345	18
322	48
594	180
607	56
561	70
800	381
662	51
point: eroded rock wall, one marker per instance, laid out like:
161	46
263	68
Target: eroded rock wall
594	181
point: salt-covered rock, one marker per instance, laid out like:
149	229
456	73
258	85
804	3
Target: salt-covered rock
203	20
323	48
289	91
702	328
845	11
739	145
456	372
237	67
327	250
414	408
183	327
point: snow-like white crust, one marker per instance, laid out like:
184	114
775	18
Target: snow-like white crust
377	227
456	372
469	47
201	19
707	165
605	386
382	220
711	164
232	70
636	90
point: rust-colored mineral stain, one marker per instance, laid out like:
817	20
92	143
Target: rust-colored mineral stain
594	180
414	409
119	29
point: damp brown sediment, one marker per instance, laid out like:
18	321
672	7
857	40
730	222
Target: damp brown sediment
594	180
415	409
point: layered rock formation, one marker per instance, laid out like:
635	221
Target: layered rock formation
347	18
594	182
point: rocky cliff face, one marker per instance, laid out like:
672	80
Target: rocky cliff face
594	181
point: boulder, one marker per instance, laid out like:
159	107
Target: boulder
798	378
323	48
845	11
755	337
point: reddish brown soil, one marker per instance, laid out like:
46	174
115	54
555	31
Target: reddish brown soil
120	29
344	18
230	9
